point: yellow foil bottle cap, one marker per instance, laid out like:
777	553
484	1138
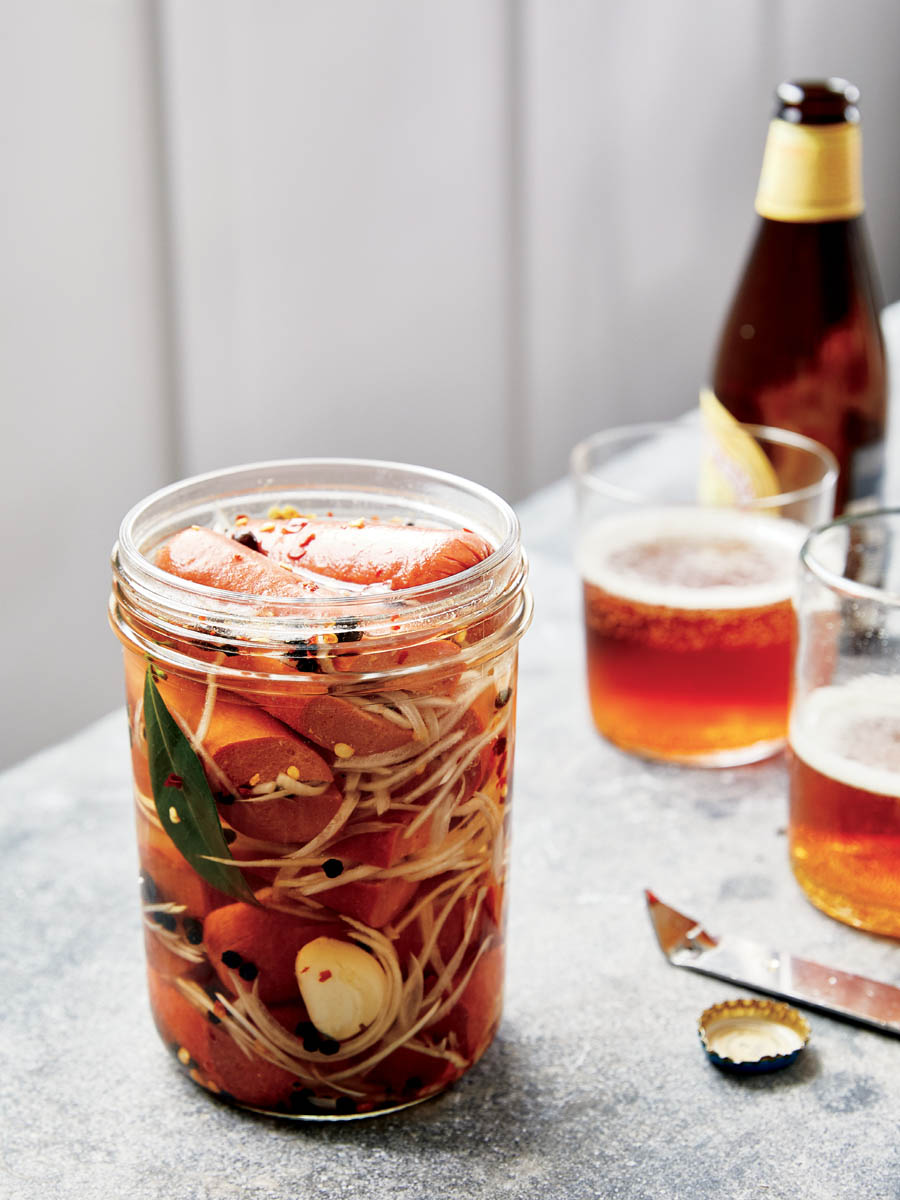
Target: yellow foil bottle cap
749	1037
811	173
734	470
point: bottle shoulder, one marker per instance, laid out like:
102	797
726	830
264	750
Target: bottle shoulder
811	245
800	279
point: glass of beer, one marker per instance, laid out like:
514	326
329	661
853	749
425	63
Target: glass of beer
845	723
688	607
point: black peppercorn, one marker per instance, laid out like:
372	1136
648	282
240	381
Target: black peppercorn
302	656
347	629
310	1035
193	930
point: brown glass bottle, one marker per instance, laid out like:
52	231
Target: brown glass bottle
801	347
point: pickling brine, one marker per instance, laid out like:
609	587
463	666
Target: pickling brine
320	666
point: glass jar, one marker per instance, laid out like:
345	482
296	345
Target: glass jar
322	793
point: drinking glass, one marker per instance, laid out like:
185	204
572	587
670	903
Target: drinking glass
844	826
688	607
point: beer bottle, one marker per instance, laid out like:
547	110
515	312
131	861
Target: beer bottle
801	347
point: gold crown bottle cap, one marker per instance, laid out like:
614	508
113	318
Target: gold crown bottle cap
751	1036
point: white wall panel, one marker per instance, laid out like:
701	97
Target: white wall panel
339	195
639	191
82	346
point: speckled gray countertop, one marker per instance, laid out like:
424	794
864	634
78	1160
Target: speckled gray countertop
596	1086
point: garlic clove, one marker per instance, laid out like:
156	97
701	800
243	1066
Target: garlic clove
343	987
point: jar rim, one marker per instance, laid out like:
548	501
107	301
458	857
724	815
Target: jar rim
149	589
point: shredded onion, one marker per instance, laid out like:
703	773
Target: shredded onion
427	781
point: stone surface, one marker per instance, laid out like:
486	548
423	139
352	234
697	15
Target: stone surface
596	1086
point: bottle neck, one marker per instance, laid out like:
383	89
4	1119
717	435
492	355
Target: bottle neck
811	173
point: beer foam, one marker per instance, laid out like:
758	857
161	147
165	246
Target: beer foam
621	554
851	733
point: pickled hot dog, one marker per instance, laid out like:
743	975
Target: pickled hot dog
370	552
200	1036
244	751
216	560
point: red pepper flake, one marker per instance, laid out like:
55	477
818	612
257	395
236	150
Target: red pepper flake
303	970
244	791
299	548
295	526
329	514
500	746
324	975
396	628
402	656
174	781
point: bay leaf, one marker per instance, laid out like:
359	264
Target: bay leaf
184	801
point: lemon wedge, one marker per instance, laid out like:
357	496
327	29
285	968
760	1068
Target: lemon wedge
734	470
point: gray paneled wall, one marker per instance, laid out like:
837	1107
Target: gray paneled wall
83	364
463	233
339	202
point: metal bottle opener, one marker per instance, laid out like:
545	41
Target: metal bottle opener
686	943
